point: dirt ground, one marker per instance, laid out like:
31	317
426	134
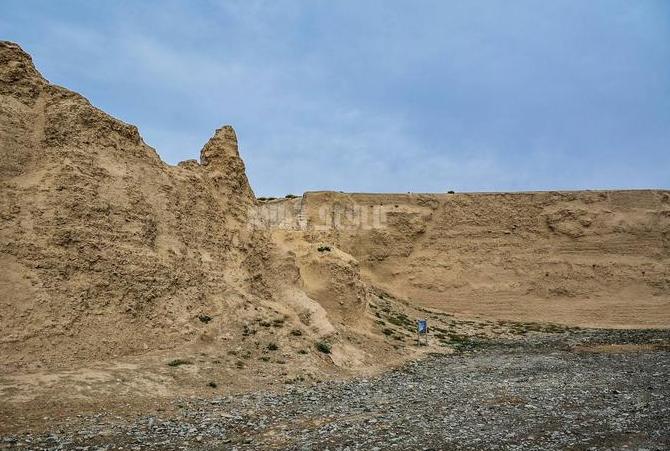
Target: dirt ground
575	389
33	399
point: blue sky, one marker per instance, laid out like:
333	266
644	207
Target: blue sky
378	96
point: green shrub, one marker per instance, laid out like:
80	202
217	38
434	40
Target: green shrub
458	338
179	362
324	347
395	321
273	347
246	331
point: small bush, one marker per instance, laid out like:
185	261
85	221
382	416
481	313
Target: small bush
395	321
246	331
324	347
179	362
458	338
299	378
387	331
272	347
212	384
324	249
290	196
204	318
296	332
302	351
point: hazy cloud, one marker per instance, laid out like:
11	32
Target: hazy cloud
378	95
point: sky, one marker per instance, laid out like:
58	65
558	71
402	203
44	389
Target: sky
377	96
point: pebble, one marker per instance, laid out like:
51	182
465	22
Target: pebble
529	394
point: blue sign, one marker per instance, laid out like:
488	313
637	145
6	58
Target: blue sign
422	326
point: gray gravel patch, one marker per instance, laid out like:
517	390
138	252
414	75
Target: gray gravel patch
535	393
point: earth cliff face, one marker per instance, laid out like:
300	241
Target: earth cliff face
581	258
99	235
108	252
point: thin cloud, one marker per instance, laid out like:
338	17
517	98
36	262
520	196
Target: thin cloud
377	96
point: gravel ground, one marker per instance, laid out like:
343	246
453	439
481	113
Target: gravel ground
540	392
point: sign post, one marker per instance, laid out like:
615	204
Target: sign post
421	329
